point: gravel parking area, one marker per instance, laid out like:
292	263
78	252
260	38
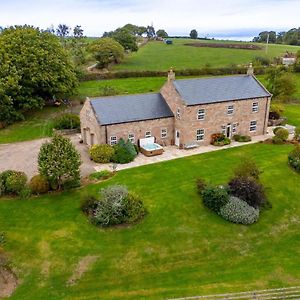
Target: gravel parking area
23	156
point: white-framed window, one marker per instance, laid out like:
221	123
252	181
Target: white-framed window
200	135
223	129
147	134
131	138
113	140
164	133
178	113
234	127
253	125
201	114
255	107
230	109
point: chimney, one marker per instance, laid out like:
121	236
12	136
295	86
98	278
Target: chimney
250	71
171	75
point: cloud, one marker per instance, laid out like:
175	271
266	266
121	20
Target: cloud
176	16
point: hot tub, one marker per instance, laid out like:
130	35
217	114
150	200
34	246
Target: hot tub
149	148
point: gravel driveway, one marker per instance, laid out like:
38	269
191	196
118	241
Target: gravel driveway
23	156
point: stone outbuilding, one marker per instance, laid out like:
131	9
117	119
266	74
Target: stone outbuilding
185	113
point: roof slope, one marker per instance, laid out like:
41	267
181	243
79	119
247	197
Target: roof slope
123	109
219	89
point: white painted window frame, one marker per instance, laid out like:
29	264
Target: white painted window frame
131	138
164	133
230	109
255	107
148	134
200	133
113	140
201	114
253	126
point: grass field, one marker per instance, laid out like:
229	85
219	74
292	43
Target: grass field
36	125
179	249
292	112
159	56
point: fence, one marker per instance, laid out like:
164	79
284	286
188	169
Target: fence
269	294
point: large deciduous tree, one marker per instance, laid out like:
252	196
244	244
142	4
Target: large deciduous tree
161	33
33	67
59	161
194	34
107	50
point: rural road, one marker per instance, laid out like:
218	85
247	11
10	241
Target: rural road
23	156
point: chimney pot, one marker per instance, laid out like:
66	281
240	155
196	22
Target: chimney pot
171	75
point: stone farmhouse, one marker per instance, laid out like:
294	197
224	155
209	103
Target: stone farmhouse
185	113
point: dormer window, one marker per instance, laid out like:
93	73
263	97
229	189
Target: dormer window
230	109
201	114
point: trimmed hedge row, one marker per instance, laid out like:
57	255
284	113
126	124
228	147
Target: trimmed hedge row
184	72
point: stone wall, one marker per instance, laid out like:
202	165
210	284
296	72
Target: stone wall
215	116
139	129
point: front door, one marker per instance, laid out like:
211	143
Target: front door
177	138
228	130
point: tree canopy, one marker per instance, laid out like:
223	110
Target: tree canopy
291	37
194	34
33	67
161	33
59	161
107	50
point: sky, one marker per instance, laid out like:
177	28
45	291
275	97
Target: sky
219	18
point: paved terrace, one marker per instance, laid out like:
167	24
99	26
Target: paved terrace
172	152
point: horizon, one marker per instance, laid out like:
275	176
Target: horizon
233	19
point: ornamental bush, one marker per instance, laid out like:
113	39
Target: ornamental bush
101	153
294	159
219	139
67	121
215	197
115	206
125	152
238	211
281	135
242	138
39	184
13	181
248	189
247	168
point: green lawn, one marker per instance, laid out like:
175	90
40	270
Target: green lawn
179	249
292	112
36	125
159	56
94	88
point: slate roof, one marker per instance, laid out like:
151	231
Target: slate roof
219	89
123	109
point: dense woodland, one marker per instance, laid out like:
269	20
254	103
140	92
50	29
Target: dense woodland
290	37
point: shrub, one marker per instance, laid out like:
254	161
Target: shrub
104	174
276	140
215	197
67	121
294	159
134	209
108	91
297	134
219	139
276	110
39	184
276	129
281	135
201	185
247	168
25	193
248	189
89	204
71	184
101	153
242	138
115	206
124	152
238	211
13	181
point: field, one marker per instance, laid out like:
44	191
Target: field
37	125
179	249
159	56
